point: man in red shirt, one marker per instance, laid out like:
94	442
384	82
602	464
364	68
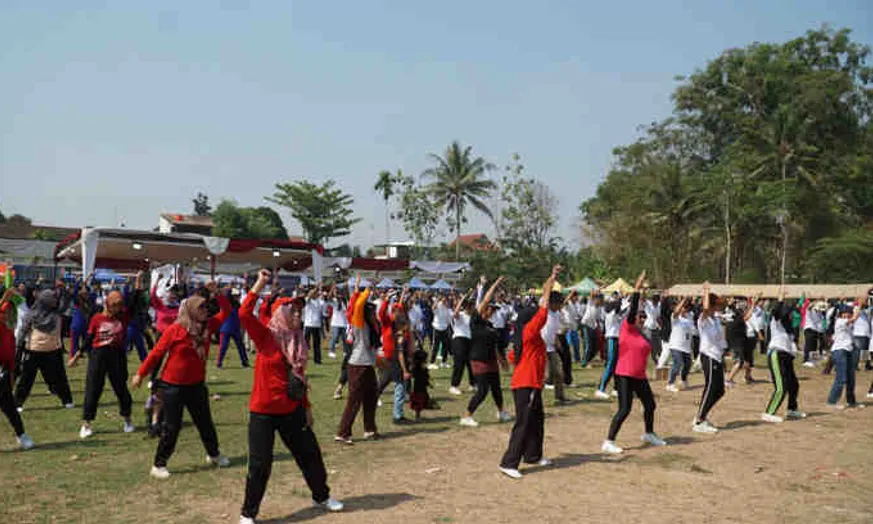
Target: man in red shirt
526	440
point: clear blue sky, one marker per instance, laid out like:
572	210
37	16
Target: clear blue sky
129	108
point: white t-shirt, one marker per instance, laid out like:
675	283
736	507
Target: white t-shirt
442	317
779	339
712	342
652	314
313	312
461	326
681	333
416	317
591	316
550	331
338	318
842	335
757	320
613	323
813	320
862	325
500	316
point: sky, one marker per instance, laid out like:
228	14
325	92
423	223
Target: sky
116	111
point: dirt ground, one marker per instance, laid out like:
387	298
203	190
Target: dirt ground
816	470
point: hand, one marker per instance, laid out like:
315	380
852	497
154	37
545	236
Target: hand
556	270
640	281
483	280
136	381
407	375
707	286
309	419
71	363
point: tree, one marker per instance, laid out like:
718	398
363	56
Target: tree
18	220
232	221
201	205
458	179
2	218
385	185
528	211
418	212
323	211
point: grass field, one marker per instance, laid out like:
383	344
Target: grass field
434	471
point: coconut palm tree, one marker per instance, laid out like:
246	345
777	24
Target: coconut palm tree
385	185
456	180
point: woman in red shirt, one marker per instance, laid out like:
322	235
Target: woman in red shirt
630	374
274	407
7	368
186	342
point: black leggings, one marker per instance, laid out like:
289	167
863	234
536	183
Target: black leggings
484	383
627	387
811	342
7	404
781	366
713	373
196	399
313	338
442	341
566	359
109	361
51	365
300	441
461	360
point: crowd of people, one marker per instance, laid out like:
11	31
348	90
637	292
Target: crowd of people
382	338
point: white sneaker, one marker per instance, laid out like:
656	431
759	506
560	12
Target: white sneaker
332	354
454	391
150	384
672	388
857	405
610	447
471	388
601	395
69	406
128	427
808	365
686	385
795	415
766	417
615	393
337	395
511	473
504	417
25	441
870	395
469	422
221	461
246	520
330	505
550	386
544	462
704	427
653	439
159	473
835	407
20	409
379	403
85	432
433	367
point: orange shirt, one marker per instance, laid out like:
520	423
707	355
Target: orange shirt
530	371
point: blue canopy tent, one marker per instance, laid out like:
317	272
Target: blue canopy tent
364	283
386	283
415	283
107	275
442	285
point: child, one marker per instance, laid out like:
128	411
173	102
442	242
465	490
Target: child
419	399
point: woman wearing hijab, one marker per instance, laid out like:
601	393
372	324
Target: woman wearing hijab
279	402
107	356
186	345
41	349
7	369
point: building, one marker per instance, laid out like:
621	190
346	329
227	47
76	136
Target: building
30	250
394	250
474	242
177	223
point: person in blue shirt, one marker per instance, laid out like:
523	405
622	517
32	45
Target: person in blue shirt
231	330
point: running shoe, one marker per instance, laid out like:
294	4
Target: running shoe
610	448
85	432
773	419
511	473
159	473
672	388
221	461
454	391
653	439
601	395
469	422
330	505
25	441
704	427
794	414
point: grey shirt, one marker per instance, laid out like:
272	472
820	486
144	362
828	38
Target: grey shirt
362	353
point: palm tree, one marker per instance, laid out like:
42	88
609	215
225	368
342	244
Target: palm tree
385	185
458	179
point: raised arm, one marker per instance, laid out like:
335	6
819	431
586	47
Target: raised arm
707	307
679	307
635	298
549	284
460	303
483	303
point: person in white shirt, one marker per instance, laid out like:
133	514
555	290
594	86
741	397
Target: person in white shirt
861	336
313	313
339	324
461	341
551	333
613	317
712	347
442	332
652	328
842	354
813	332
590	320
745	340
780	359
573	318
679	345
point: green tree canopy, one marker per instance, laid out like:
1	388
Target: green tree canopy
201	205
323	211
232	221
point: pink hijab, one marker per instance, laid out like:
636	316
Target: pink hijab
290	339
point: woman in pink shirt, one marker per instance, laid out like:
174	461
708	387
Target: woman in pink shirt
630	375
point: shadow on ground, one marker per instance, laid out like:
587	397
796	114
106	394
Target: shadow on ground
374	502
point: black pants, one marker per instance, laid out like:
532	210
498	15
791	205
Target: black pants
811	342
627	387
526	440
344	368
313	338
300	441
196	399
484	383
7	404
566	359
442	341
461	360
713	374
51	365
781	366
695	346
102	362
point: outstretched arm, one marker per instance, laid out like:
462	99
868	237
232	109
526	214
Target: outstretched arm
549	285
487	298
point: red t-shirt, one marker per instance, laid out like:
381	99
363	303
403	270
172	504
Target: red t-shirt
530	371
107	331
387	331
270	386
633	352
184	366
7	340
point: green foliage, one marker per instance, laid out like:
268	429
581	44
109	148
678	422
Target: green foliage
2	218
232	221
41	234
201	205
844	258
527	217
17	220
323	211
385	184
457	180
418	212
769	145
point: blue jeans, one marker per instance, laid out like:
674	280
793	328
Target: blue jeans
681	363
844	368
337	334
611	361
399	391
573	341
